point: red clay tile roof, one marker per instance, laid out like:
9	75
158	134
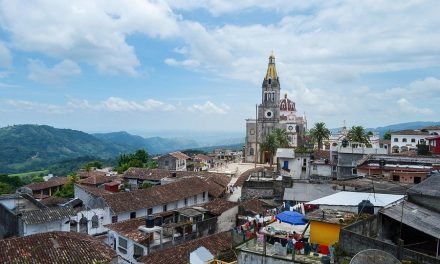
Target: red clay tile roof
146	174
55	247
46	215
95	191
218	206
158	195
129	229
52	182
85	174
53	200
321	154
179	155
203	157
180	254
98	179
255	205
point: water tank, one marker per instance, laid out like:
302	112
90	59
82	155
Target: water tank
365	207
149	222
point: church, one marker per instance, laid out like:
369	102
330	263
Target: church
273	112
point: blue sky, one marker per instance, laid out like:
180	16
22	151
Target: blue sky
154	66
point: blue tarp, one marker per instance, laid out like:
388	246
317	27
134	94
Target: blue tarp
291	217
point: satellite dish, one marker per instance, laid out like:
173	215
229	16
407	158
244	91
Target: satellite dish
374	256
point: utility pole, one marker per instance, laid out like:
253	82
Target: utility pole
256	135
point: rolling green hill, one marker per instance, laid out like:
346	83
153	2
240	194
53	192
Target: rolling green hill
33	147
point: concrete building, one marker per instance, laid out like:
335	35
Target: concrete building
294	165
408	230
272	113
175	161
22	215
405	140
397	168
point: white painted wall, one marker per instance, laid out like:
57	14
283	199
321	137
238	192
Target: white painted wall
124	257
226	221
104	218
397	140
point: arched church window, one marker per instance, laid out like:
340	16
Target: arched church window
283	105
270	81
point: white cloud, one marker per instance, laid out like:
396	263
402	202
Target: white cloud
5	56
407	107
209	108
93	32
38	71
116	104
24	105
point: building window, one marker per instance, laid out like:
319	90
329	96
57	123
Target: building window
95	221
114	218
138	251
164	208
122	245
132	215
195	199
304	162
396	178
396	140
149	211
354	171
204	196
404	140
413	140
167	163
186	202
251	151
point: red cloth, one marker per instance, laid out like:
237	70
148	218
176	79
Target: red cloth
299	245
323	249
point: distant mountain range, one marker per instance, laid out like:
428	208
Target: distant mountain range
34	147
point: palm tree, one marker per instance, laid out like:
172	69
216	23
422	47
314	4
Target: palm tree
359	135
319	132
281	138
269	145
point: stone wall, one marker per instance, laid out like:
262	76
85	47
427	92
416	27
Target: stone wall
251	258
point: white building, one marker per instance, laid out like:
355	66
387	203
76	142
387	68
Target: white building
295	165
406	140
175	161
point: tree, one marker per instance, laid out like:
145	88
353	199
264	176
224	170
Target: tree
359	135
67	191
5	188
93	164
281	138
146	185
270	146
141	155
387	135
37	179
319	132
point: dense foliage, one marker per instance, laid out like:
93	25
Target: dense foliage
67	191
33	147
276	139
8	184
138	159
358	134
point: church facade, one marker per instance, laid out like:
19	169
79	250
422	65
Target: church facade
273	112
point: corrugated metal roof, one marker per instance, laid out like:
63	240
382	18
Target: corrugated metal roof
415	216
354	198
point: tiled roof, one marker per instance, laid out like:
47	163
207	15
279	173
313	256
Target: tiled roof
245	175
54	200
431	128
254	205
55	247
98	179
180	254
95	191
158	195
85	174
218	206
409	132
129	229
146	174
203	157
52	182
321	154
46	215
179	155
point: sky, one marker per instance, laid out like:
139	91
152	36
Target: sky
198	65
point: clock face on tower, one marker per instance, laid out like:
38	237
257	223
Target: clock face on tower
268	114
